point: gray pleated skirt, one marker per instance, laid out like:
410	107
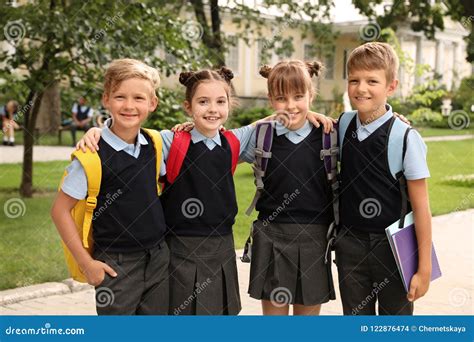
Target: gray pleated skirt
288	265
203	276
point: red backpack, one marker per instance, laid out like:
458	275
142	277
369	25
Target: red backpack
179	148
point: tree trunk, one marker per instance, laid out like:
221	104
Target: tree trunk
26	187
49	117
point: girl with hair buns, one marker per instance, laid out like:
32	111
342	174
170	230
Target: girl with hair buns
200	203
289	236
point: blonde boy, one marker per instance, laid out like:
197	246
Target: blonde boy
129	264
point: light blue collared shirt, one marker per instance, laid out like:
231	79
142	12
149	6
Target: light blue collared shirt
243	134
75	183
294	136
414	164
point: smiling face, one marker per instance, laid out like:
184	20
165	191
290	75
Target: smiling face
368	91
293	105
129	104
209	107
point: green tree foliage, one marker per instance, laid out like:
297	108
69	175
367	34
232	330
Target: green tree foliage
72	41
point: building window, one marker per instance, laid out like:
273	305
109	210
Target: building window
308	52
328	61
232	55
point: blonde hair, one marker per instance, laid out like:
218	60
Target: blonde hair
123	69
291	76
374	56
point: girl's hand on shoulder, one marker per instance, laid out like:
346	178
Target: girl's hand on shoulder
401	117
90	140
317	119
185	126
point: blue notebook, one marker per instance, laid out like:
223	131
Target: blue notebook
405	250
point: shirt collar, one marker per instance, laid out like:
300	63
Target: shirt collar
196	137
116	142
302	131
372	126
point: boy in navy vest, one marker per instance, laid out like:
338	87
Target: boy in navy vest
371	198
81	117
129	264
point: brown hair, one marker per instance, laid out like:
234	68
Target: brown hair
192	79
374	56
123	69
291	76
12	103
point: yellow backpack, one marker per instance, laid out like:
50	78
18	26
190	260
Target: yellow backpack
83	211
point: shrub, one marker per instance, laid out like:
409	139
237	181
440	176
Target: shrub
169	111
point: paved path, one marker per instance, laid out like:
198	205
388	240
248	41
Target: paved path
449	138
453	236
48	153
14	154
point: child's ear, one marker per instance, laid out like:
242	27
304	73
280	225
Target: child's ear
105	100
187	108
392	87
153	103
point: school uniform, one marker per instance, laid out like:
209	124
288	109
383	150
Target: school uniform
370	200
289	237
200	208
128	227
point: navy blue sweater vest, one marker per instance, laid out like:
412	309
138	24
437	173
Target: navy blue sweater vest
128	216
201	201
82	114
296	189
370	197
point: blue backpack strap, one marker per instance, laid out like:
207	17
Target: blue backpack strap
396	150
344	121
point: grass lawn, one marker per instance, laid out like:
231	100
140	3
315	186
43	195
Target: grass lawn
437	132
50	139
33	250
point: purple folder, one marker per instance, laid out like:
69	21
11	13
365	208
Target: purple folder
405	250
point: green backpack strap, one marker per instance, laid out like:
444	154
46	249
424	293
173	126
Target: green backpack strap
157	143
93	169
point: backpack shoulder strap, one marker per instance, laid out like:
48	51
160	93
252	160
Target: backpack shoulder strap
158	145
179	148
396	149
329	155
344	121
234	147
264	132
93	169
263	146
396	146
330	152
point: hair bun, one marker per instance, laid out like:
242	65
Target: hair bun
185	76
226	73
265	70
314	68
